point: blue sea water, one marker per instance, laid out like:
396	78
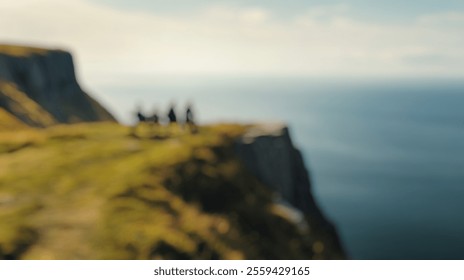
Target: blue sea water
386	158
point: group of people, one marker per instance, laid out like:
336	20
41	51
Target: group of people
171	117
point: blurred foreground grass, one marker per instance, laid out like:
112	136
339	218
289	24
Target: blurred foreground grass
93	191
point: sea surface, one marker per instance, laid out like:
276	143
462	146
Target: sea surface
386	157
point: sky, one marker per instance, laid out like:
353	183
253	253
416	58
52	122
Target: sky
115	40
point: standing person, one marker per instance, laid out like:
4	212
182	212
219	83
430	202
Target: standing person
154	119
189	120
189	115
153	122
173	128
140	119
172	115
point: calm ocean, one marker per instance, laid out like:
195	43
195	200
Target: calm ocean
386	157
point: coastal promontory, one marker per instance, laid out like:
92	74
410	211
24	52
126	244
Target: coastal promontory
75	184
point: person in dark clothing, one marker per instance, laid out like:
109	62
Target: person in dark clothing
189	116
172	115
189	120
141	119
153	122
154	119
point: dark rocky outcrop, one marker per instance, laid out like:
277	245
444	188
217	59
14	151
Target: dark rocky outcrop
43	82
268	152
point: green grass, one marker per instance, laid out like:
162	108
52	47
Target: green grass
94	191
9	122
22	107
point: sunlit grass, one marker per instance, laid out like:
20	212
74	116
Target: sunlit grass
9	122
101	191
23	107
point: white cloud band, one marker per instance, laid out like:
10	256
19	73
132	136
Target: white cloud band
237	40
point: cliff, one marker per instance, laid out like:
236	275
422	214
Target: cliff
268	152
39	87
163	194
225	192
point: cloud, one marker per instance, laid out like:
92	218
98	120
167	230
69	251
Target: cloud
440	19
327	11
234	14
111	44
431	59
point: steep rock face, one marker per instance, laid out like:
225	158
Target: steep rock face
48	78
269	154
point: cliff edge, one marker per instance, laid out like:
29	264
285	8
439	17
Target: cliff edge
163	194
39	87
269	153
225	192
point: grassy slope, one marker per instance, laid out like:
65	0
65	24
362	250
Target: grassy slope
9	122
23	107
94	192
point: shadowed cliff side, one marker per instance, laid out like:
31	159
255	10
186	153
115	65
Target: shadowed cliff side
39	87
268	152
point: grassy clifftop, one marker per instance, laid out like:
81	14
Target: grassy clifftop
95	192
21	51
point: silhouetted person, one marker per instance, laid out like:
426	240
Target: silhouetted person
189	120
154	119
189	116
153	122
141	117
172	115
